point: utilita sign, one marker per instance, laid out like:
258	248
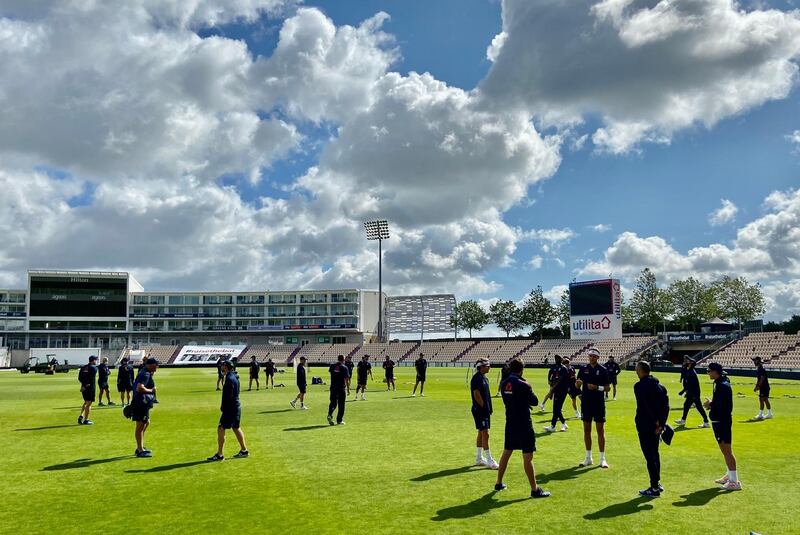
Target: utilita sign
596	309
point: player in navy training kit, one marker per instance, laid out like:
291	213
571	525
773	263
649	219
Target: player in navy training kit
340	382
482	413
301	385
103	373
269	374
652	412
144	394
762	387
348	361
220	373
559	387
593	381
363	370
125	381
518	398
86	377
255	369
422	369
613	371
573	391
720	408
388	367
231	417
691	387
550	373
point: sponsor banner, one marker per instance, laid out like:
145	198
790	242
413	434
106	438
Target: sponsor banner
698	337
599	323
596	327
12	314
207	354
315	327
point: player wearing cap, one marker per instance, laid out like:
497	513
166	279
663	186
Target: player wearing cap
518	398
652	412
220	373
86	377
144	393
255	369
269	374
762	387
613	371
125	381
593	381
388	368
421	366
301	385
103	373
558	391
573	391
482	413
720	408
550	380
340	383
348	361
364	369
691	387
231	417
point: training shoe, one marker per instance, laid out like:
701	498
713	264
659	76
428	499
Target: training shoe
564	427
412	395
216	457
615	398
549	428
500	486
88	422
680	421
586	462
480	462
330	420
660	487
492	464
539	493
650	493
759	416
292	403
421	395
340	423
101	404
603	464
721	481
578	414
704	425
80	420
730	485
768	417
110	403
363	398
303	408
541	407
242	454
144	454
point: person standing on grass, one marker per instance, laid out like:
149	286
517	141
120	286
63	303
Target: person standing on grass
348	361
518	398
220	373
421	366
558	391
762	387
364	370
103	373
125	381
691	388
720	408
505	371
613	371
388	367
482	413
573	391
231	417
301	385
593	381
86	377
269	374
652	411
144	394
550	373
255	370
340	384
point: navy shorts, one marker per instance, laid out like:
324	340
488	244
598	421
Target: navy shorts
722	432
230	419
421	378
595	410
362	382
125	388
140	413
764	393
574	392
88	394
520	438
390	376
302	388
103	386
613	379
483	421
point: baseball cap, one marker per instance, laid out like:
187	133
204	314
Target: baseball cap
302	358
481	362
715	366
151	361
593	352
756	359
93	357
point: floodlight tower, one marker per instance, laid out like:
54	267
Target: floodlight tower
378	230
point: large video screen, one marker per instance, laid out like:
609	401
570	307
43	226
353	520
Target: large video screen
78	297
591	299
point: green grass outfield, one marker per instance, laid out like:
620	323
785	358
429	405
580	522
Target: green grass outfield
400	465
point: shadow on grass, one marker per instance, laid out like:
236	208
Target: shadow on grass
83	463
447	473
699	498
275	411
307	428
564	475
166	467
752	421
482	505
47	427
636	505
683	428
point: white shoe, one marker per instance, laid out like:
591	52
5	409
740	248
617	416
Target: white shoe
615	398
721	481
363	398
549	428
603	464
587	462
292	404
759	416
492	464
730	485
355	398
412	395
480	462
704	425
768	416
541	407
422	395
577	414
680	421
303	408
564	427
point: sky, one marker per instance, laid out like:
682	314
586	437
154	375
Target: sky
240	144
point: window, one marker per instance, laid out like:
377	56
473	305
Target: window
339	340
323	339
283	298
16	298
249	299
192	299
294	340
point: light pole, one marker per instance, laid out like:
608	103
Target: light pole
378	230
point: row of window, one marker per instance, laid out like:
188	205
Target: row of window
246	312
12	297
12	325
275	299
210	325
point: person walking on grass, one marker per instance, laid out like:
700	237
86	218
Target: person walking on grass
550	380
691	388
652	412
103	373
125	381
269	374
421	366
220	373
762	387
231	417
613	371
593	381
482	413
348	362
720	408
144	394
364	370
388	367
86	377
340	384
255	369
573	391
301	386
518	398
558	391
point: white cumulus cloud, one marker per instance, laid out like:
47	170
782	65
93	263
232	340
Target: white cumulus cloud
724	214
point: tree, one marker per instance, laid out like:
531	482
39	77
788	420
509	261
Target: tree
537	311
693	302
562	312
469	315
738	300
506	316
650	304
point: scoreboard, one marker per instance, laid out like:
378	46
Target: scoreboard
78	296
595	309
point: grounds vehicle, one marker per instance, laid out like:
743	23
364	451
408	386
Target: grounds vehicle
47	367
